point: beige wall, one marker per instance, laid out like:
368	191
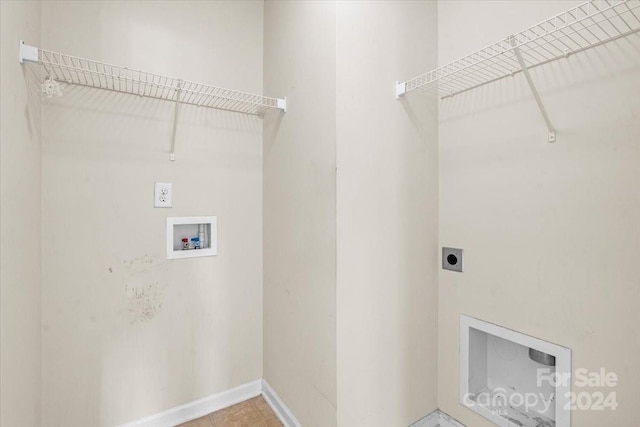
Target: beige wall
127	333
300	210
20	220
550	231
337	63
387	196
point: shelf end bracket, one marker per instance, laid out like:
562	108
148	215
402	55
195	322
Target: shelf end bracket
282	104
536	95
27	53
401	89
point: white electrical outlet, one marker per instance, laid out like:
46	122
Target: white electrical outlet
163	195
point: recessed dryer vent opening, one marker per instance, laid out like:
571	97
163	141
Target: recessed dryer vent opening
513	379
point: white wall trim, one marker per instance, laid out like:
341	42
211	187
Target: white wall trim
437	419
283	413
198	408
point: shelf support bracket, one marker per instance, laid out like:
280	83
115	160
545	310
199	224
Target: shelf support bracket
176	114
536	95
282	104
401	89
27	53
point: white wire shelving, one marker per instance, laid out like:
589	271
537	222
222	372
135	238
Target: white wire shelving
68	69
582	27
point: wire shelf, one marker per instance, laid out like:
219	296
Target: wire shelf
584	26
86	72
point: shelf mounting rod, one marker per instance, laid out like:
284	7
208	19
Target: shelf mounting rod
536	95
176	114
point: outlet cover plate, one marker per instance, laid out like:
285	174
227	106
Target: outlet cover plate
452	259
163	195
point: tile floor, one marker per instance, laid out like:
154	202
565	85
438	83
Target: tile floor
251	413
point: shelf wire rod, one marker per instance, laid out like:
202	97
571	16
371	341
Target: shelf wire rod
578	50
48	71
92	72
67	70
574	31
101	76
533	54
549	41
122	79
55	68
531	51
566	47
553	48
214	100
74	69
482	68
203	95
447	66
604	15
171	88
459	81
574	15
231	102
624	21
84	74
146	84
108	79
188	93
632	12
543	42
197	93
95	76
451	90
431	90
536	42
51	71
496	62
81	72
211	101
160	86
485	69
153	88
211	97
449	86
581	22
618	30
577	32
107	73
140	88
73	73
596	23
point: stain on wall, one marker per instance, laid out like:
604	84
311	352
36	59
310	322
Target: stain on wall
144	302
143	283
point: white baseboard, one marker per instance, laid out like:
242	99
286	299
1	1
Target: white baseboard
284	414
198	408
437	419
201	407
